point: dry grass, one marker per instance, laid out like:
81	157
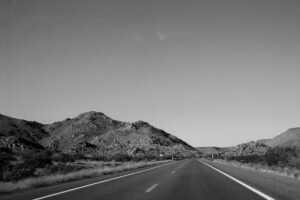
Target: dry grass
6	187
286	171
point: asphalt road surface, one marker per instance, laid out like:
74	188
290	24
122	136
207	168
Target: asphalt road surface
186	179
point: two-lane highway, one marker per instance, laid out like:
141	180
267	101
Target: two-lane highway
187	179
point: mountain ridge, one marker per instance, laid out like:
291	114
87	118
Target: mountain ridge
87	132
30	148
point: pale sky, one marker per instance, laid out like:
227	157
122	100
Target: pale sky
209	72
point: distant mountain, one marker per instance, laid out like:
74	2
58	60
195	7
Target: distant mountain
280	151
91	134
287	139
213	150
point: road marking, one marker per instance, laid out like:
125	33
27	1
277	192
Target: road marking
173	172
151	188
99	182
240	182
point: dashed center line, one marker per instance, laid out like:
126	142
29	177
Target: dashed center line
151	188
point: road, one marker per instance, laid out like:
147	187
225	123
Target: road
187	179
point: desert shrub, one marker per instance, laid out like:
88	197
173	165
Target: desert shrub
248	158
100	158
283	156
5	156
37	160
138	157
5	166
60	169
120	157
32	161
161	141
278	156
62	157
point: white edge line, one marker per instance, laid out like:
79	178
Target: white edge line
240	182
151	188
91	184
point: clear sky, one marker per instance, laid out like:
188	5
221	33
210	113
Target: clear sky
210	72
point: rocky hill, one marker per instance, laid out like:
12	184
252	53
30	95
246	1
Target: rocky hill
35	149
91	134
94	134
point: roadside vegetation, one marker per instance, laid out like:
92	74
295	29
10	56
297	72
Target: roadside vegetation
280	160
44	163
279	156
71	170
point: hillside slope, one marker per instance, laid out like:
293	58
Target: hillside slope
289	138
91	134
95	134
19	136
35	149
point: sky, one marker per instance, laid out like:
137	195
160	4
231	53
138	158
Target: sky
211	72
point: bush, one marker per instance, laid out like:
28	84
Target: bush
60	178
120	157
278	156
62	157
32	161
37	160
283	156
248	159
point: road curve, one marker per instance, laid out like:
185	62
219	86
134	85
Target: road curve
187	179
